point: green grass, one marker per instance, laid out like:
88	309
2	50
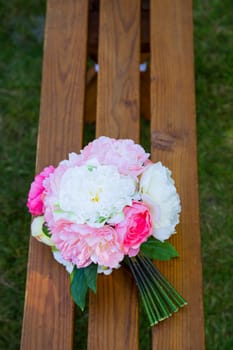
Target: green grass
21	34
214	87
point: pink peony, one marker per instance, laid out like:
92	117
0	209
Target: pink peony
52	186
128	157
82	244
107	248
135	228
69	239
35	197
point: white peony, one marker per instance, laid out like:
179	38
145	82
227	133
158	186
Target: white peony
93	194
159	193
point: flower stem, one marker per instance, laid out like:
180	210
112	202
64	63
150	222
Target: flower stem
149	298
170	290
146	298
158	296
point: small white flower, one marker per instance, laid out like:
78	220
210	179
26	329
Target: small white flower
159	193
106	270
37	230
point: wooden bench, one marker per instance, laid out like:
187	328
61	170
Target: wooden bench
113	313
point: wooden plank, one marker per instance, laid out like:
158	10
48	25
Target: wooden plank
118	80
113	311
94	24
174	143
49	312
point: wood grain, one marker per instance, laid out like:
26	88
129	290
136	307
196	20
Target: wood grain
93	37
49	312
118	79
173	135
113	311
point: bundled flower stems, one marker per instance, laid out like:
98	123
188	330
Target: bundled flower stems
105	207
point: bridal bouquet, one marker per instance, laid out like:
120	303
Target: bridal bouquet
108	206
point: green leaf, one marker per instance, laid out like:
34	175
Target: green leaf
46	231
155	249
79	287
101	219
91	167
54	249
81	280
91	276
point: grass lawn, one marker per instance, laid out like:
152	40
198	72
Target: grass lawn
21	40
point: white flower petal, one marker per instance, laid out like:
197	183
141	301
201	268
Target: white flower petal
106	270
159	193
58	257
93	194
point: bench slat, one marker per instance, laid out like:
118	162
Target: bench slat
49	312
173	134
118	80
113	312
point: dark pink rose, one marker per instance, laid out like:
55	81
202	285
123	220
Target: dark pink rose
35	196
135	228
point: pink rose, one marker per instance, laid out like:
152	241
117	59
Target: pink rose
135	228
35	197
